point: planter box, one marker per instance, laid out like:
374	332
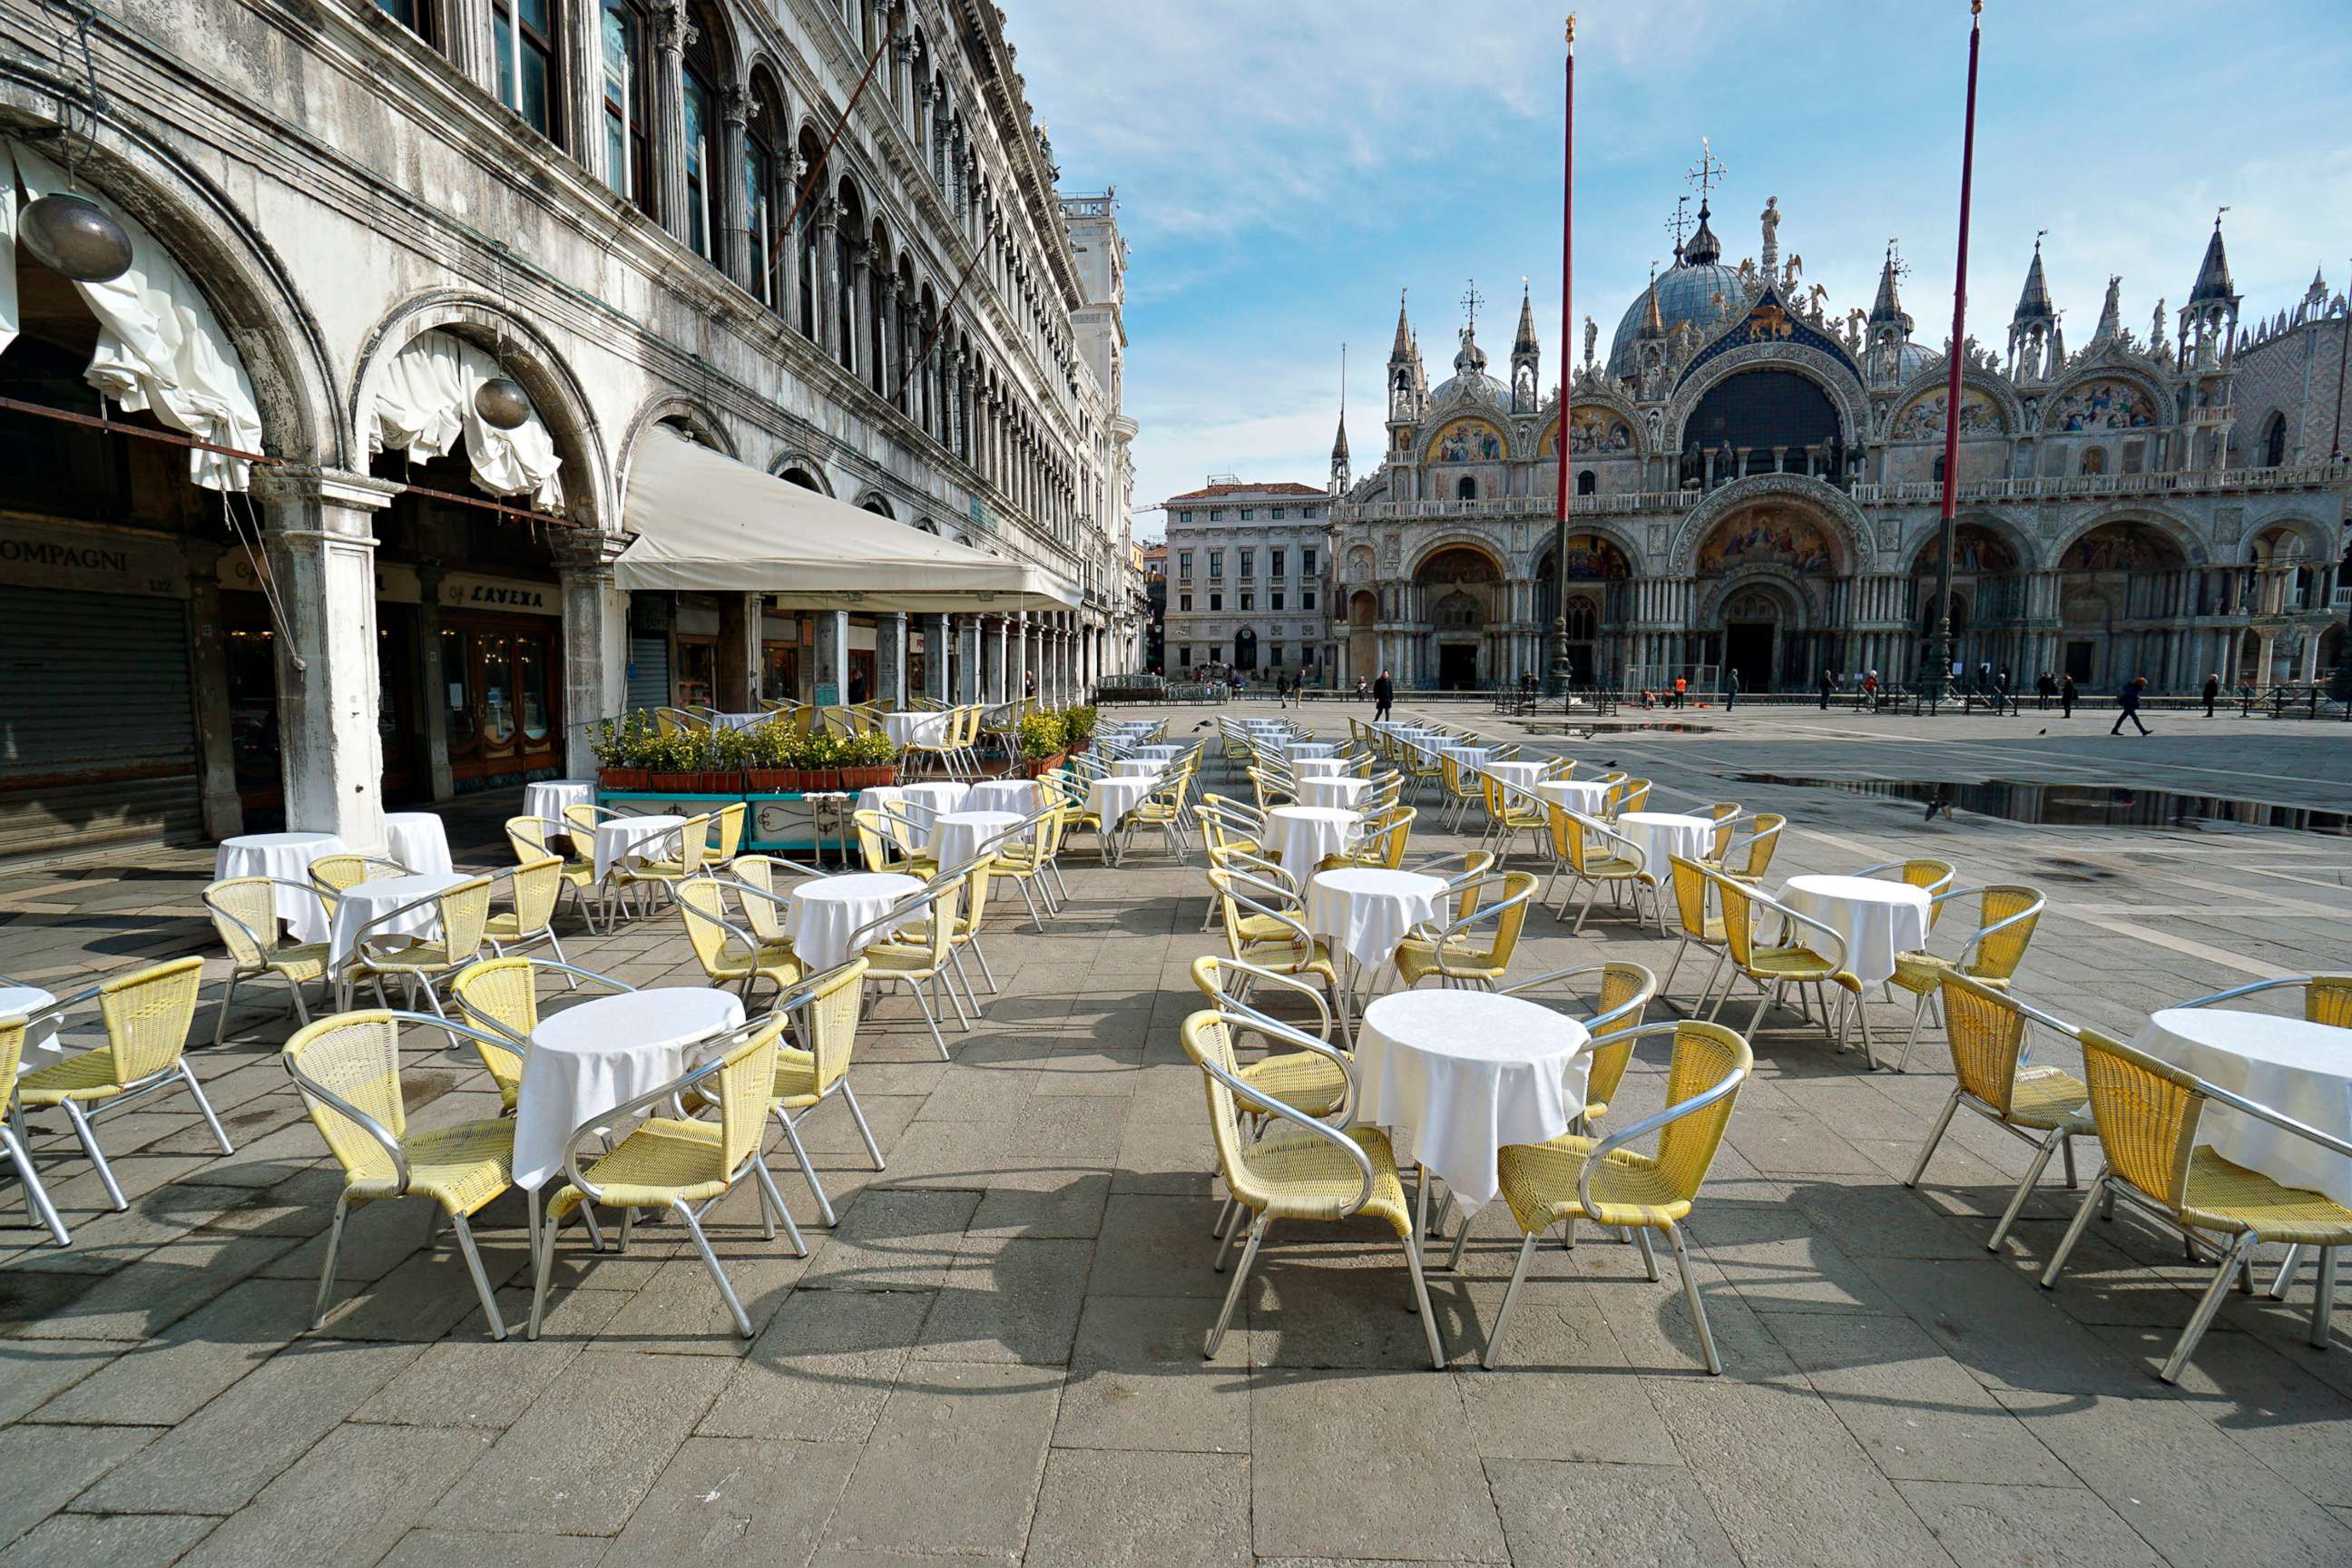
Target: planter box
869	777
621	778
772	781
700	782
1037	767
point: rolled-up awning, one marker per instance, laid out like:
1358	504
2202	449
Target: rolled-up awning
706	523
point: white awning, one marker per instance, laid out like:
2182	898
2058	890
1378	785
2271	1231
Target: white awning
424	405
706	523
159	349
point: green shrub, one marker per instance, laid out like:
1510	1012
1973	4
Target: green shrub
871	750
1078	723
1041	735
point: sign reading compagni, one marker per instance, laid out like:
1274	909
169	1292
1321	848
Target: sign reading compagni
91	560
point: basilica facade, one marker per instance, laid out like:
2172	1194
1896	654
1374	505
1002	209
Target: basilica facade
1755	487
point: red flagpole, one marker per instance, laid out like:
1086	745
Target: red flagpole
1944	535
1566	370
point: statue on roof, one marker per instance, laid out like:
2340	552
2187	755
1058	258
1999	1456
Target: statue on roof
1592	334
1770	218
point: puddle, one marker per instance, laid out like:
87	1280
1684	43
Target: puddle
1608	727
2082	806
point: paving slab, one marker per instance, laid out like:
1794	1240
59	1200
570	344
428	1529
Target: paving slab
1113	1509
1563	1515
934	1479
1379	1465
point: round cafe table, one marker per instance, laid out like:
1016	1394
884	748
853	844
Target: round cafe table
1298	749
1588	797
1664	832
286	857
826	912
601	1054
957	836
1341	792
1318	767
1515	775
548	799
624	841
1878	919
1137	768
24	1002
1159	754
934	799
1016	795
909	729
418	841
2300	1070
361	902
1110	797
1365	910
1467	757
1468	1073
1301	835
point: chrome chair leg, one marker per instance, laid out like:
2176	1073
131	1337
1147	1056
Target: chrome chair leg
188	1077
767	1179
2241	1247
2285	1274
1421	1300
2323	1303
2032	1175
1690	1294
711	1261
1649	1258
327	1273
808	1169
857	1114
228	995
2092	1201
89	1146
37	1197
481	1281
1919	1166
1234	1291
1511	1295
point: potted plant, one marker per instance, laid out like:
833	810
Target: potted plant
618	745
725	755
1078	728
820	762
772	758
673	763
1041	743
868	762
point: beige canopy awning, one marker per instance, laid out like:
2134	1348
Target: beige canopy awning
706	523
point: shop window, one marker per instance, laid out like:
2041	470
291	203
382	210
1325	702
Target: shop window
779	671
531	688
698	671
524	34
458	693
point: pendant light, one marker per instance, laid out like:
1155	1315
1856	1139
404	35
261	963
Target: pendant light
64	230
501	402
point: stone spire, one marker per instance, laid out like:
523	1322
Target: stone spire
2034	349
2213	275
1339	465
1402	352
1526	343
1653	322
1887	309
2033	303
1526	357
2111	313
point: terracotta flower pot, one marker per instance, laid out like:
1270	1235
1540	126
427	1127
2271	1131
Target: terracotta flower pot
771	781
621	778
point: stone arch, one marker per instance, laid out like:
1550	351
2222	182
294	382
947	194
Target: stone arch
1470	428
590	477
1833	376
1934	378
1842	516
2008	529
1452	539
272	328
2320	545
1794	606
1609	407
2159	400
2182	537
1539	555
877	503
801	467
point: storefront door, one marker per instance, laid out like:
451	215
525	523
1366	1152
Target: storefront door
500	696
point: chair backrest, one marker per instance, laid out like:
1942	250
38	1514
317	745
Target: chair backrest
1705	1055
1244	894
1690	895
1517	892
147	1016
874	844
1987	1032
1999	954
745	1087
1740	903
2146	1112
465	911
1761	837
826	1021
583	818
501	992
1631	795
1206	1041
2327	999
1612	1042
765	919
244	913
1384	841
526	837
702	905
1725	815
694	843
336	872
355	1057
730	821
537	885
12	1055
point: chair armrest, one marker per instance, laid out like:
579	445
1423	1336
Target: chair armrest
2235	991
1728	1084
1265	1103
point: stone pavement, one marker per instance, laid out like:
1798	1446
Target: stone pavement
996	1355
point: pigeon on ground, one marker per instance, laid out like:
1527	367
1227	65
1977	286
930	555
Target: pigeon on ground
1933	807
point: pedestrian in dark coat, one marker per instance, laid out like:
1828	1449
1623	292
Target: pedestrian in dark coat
2066	698
1383	697
2212	693
2127	705
1828	682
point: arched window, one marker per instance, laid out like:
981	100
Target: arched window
524	33
801	478
628	143
1466	488
699	136
846	262
805	264
765	197
1939	474
2275	441
1587	482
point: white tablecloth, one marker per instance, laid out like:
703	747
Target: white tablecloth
826	912
1016	795
1137	767
957	836
2300	1070
1365	911
1341	792
1878	919
1467	756
1159	754
1112	798
1585	795
917	729
24	1001
285	856
418	841
546	800
1301	835
356	905
1318	767
1298	749
1468	1073
741	721
1518	775
601	1054
909	809
624	841
1664	832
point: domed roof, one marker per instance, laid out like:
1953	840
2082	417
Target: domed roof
1686	293
1910	360
1470	379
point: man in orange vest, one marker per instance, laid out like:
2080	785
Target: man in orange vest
1680	685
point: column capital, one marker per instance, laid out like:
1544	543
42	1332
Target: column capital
331	487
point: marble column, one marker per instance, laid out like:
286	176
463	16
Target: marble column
935	657
733	214
321	544
992	659
832	656
595	648
890	658
669	128
224	811
828	277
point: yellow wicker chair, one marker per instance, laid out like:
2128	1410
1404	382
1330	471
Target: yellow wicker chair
824	1010
727	952
530	836
1311	1078
1750	853
1694	896
464	915
1724	814
668	871
347	1068
12	1135
1932	877
1625	993
2008	914
1386	838
498	999
2147	1113
244	913
1510	812
879	847
1461	786
1628	795
680	1164
1269	789
1164	808
2047	1107
1590	854
727	822
147	1016
1787	962
1475	948
1253	905
1574	1177
331	874
913	945
1304	1171
1026	860
763	914
536	885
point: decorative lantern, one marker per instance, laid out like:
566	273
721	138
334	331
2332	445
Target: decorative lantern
501	404
76	237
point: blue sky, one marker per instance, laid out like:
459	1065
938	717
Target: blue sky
1282	171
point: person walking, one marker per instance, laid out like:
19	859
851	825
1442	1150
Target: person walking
2212	693
1383	697
2127	705
1829	684
1731	692
2066	696
1363	690
1869	693
2044	689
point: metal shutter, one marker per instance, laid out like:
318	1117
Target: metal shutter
98	744
649	671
